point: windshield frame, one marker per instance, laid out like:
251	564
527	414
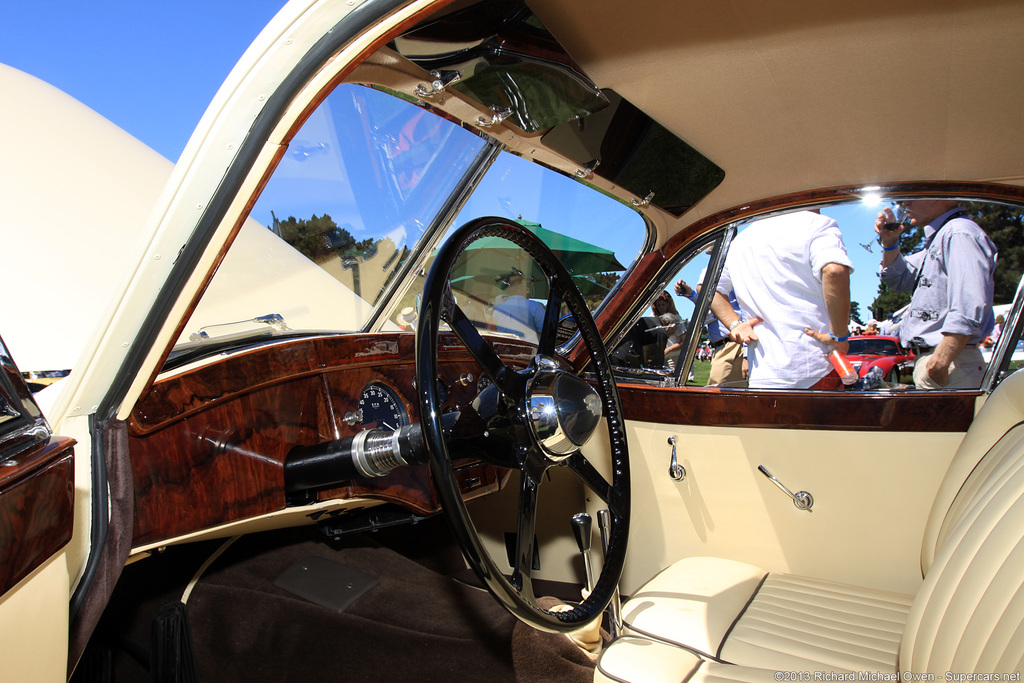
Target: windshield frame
440	223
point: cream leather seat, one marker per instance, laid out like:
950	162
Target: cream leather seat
711	618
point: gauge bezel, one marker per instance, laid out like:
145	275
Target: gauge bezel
393	404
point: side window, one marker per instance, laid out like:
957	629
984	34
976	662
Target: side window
21	422
717	361
1005	344
952	274
655	347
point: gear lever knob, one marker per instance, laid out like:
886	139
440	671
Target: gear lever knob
581	528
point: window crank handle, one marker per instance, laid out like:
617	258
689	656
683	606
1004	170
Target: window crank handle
675	470
801	499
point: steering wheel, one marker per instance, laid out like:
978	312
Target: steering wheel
531	420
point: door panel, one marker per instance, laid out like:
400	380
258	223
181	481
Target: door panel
36	497
872	464
36	522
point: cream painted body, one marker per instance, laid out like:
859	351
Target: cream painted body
34	625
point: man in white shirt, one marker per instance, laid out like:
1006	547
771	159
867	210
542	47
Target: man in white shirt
791	273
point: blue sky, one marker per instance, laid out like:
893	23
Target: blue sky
153	66
150	66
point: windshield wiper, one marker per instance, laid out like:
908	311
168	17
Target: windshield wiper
202	345
275	320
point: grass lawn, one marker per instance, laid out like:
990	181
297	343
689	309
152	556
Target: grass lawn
701	372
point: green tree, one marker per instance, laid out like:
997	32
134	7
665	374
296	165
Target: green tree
888	302
317	237
855	313
606	280
1005	226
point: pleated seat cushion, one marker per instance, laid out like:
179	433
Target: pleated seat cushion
732	612
693	603
796	623
642	660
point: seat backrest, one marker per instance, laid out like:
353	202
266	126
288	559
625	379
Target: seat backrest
968	615
1002	411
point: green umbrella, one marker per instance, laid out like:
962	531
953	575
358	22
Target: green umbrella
488	262
586	286
482	273
498	256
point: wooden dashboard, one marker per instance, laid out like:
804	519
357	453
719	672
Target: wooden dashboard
208	445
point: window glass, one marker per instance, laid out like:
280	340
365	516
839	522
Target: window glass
1005	338
652	349
881	352
596	237
356	190
361	187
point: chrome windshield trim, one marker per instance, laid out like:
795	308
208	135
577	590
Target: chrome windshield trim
693	334
435	232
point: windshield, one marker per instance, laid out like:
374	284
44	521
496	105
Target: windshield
873	347
594	236
344	222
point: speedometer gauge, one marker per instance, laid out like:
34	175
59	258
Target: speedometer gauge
381	408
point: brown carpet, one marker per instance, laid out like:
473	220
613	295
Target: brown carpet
416	624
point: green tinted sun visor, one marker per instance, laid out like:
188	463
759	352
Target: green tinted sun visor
500	55
627	147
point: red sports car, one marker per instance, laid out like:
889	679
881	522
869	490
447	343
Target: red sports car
869	351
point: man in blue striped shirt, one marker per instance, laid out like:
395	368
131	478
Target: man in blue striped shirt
952	279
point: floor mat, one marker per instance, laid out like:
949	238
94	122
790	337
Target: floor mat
413	625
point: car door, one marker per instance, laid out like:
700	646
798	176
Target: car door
871	460
36	523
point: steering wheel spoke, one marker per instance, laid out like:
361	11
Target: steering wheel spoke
522	571
478	347
552	312
595	481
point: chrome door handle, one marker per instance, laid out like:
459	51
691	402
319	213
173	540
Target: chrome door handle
675	470
801	499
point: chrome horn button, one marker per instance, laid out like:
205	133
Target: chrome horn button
563	410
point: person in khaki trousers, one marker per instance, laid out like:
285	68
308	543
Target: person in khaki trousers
728	358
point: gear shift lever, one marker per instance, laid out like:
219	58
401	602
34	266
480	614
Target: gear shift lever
604	522
581	528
